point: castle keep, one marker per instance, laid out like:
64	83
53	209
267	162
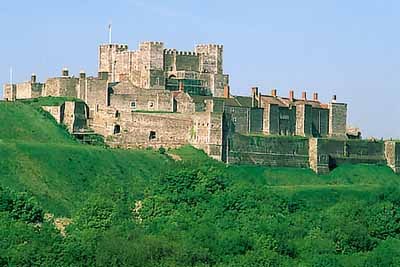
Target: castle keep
155	97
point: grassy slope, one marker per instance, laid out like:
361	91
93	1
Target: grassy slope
22	122
39	156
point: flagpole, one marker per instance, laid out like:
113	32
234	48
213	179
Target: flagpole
109	33
11	75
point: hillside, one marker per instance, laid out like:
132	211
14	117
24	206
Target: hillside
142	208
22	122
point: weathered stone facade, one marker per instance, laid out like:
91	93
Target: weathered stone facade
73	114
154	67
157	97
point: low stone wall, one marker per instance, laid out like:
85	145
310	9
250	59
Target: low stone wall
326	153
353	151
320	154
141	130
268	151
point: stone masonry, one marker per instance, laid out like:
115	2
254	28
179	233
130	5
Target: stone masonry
159	97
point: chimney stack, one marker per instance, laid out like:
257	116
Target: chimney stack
315	96
181	87
273	92
254	91
291	95
65	72
304	95
254	95
226	91
33	78
82	74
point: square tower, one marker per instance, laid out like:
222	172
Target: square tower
110	59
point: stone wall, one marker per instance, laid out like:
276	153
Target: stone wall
24	90
56	111
392	154
207	133
9	92
319	162
94	92
145	100
73	114
61	86
352	151
287	121
210	58
268	151
109	59
37	89
140	130
337	119
271	119
180	61
239	118
256	120
320	122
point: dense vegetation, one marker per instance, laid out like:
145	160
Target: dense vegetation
142	208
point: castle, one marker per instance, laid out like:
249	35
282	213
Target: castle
155	97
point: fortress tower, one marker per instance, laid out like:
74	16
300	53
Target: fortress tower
211	67
154	67
210	58
109	57
151	65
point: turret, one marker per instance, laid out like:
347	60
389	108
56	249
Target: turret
211	58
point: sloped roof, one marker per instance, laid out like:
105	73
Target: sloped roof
285	102
124	87
245	101
233	101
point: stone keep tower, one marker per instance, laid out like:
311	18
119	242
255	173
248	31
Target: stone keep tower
211	67
108	59
151	65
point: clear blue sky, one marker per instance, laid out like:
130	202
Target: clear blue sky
348	48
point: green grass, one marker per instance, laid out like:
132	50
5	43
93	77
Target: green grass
48	101
23	122
62	176
39	156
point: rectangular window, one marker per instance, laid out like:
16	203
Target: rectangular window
151	104
133	105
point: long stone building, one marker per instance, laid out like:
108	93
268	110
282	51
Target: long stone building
157	97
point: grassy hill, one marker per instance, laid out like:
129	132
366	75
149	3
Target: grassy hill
194	212
23	122
41	157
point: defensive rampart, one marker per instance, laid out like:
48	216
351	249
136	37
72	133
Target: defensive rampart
320	154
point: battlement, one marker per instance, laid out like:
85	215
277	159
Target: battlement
181	53
170	51
116	46
152	43
210	46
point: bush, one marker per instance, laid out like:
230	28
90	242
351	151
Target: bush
161	150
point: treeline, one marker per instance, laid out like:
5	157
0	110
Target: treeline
200	217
